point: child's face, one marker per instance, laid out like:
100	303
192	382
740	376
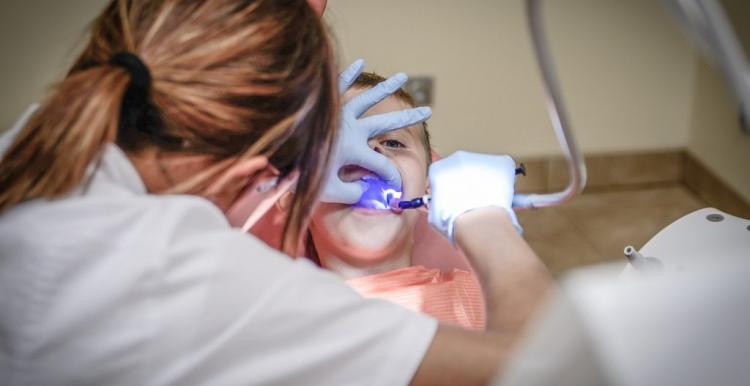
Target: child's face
363	237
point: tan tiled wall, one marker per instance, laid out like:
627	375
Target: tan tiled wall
617	170
628	199
595	227
605	171
711	189
632	171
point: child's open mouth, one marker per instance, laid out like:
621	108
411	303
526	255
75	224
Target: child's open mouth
378	194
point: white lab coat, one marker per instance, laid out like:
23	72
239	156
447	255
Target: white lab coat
114	286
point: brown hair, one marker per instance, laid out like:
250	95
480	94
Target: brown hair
371	79
230	79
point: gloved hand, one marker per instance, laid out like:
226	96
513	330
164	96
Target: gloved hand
351	145
465	181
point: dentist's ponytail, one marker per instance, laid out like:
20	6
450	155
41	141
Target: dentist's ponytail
223	78
50	155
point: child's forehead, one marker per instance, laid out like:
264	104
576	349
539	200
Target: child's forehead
414	131
387	105
391	102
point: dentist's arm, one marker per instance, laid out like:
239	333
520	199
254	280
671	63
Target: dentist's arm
351	146
513	278
471	205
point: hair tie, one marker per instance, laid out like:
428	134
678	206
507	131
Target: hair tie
140	76
137	113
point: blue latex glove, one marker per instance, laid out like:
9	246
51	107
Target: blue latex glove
465	181
351	145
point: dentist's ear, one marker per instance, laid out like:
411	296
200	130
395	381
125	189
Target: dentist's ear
227	187
285	202
319	6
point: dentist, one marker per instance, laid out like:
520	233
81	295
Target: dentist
117	264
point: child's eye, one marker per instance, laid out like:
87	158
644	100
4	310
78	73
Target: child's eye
392	143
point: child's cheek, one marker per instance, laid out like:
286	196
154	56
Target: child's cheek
413	176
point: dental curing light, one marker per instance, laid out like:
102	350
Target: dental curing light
378	194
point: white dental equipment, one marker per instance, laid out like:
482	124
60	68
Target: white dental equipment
721	236
708	25
678	314
559	117
706	234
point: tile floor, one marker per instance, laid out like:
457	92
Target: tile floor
596	226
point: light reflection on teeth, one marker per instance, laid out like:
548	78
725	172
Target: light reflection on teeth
378	194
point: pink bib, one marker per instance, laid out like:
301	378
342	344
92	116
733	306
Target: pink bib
451	297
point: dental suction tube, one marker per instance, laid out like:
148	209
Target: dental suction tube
558	116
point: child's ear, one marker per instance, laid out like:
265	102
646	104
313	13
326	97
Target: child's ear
434	154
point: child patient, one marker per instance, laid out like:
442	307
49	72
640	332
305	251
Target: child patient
372	249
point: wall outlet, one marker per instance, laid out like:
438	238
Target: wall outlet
743	122
420	88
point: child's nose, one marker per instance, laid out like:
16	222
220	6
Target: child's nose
376	146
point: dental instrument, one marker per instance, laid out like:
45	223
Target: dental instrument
705	21
377	194
707	233
640	262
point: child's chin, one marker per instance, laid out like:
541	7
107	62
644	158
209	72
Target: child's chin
368	226
376	241
372	212
364	256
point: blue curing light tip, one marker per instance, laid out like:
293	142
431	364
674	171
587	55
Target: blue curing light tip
378	194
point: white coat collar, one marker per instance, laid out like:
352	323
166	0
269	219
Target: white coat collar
114	167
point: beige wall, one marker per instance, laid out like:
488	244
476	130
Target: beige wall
715	135
631	81
37	41
625	68
627	73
